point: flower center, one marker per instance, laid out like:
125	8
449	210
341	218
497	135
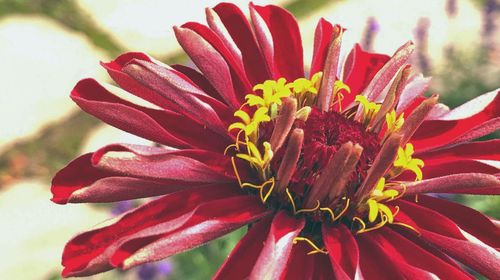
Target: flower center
313	163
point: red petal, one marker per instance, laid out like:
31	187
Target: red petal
470	183
160	163
161	126
179	91
373	258
444	234
406	251
488	150
241	260
171	224
473	119
76	175
300	265
322	268
360	68
275	253
433	170
466	218
342	250
241	32
286	44
322	39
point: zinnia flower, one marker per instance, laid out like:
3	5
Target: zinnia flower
330	171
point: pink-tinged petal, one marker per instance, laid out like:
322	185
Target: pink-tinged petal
446	235
373	258
241	33
473	119
114	69
112	189
384	76
125	81
200	80
342	250
466	218
159	163
287	52
275	253
360	68
162	126
300	265
403	250
208	221
177	90
412	92
211	63
487	150
470	183
241	260
80	182
322	39
172	215
330	70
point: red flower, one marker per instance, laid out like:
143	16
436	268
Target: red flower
328	170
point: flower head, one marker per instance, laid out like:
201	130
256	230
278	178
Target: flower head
328	168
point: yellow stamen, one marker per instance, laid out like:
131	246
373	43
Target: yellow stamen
315	247
291	200
393	123
306	91
305	210
370	109
407	226
404	161
261	188
338	87
339	215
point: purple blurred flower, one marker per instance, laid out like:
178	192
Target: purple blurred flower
371	30
159	270
122	207
451	8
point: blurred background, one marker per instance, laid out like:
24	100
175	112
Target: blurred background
46	46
